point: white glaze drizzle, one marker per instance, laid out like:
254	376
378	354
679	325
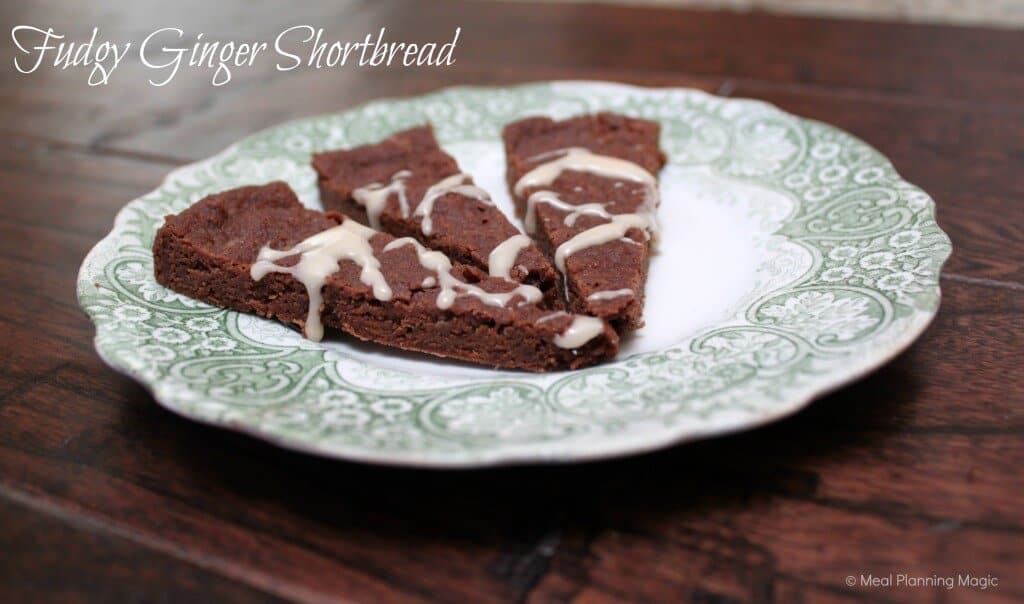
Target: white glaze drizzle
579	159
503	256
319	256
581	330
374	197
610	294
552	316
456	183
551	198
619	225
451	286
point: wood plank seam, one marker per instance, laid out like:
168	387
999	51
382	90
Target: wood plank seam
981	282
93	149
54	229
153	541
225	568
877	96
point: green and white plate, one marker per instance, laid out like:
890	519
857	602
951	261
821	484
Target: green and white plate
793	259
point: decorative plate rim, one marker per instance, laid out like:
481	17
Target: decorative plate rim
608	446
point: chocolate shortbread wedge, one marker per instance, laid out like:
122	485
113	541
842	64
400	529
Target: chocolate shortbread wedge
257	249
587	190
407	186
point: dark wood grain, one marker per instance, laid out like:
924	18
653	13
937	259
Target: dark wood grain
48	555
106	496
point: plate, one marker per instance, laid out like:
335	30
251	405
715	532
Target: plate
793	260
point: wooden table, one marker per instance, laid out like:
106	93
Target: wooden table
915	469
